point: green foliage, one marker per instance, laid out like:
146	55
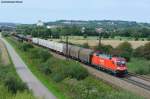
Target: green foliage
104	48
5	94
5	34
124	50
40	54
136	39
90	88
25	46
148	38
143	51
139	66
14	85
138	52
45	68
85	45
85	36
10	84
65	69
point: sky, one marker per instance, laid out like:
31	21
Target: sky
30	11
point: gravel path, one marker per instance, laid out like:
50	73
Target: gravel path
39	90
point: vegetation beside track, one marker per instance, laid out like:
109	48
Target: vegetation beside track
139	66
66	79
11	85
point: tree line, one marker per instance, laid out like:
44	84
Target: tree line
74	30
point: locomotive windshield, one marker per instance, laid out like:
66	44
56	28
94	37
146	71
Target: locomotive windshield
121	63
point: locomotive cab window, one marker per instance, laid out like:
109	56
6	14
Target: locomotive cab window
121	63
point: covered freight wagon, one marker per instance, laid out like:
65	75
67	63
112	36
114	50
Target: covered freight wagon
58	47
74	51
65	49
35	40
85	55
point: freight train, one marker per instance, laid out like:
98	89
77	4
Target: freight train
115	65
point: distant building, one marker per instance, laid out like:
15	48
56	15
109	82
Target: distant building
40	23
52	26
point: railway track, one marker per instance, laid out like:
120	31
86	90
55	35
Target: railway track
144	77
138	80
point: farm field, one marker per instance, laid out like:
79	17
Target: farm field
93	41
59	82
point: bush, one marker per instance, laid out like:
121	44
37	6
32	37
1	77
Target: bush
25	46
14	85
136	39
45	68
85	36
148	38
38	53
138	51
64	69
143	51
57	77
85	45
146	52
124	50
105	48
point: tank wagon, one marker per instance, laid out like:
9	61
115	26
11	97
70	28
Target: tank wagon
116	65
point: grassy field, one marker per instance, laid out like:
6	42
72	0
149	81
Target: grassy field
11	85
70	88
93	41
139	66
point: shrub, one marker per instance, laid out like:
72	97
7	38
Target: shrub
142	39
64	69
146	52
138	51
136	39
57	77
105	48
25	46
76	71
148	38
124	50
85	36
143	51
85	45
45	68
14	85
38	53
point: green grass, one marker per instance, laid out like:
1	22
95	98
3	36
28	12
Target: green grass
5	94
71	88
139	66
7	72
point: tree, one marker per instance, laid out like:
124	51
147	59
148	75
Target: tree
104	48
124	50
84	36
146	52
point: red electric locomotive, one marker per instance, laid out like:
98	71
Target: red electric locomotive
116	65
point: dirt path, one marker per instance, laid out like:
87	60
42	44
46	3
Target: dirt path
39	90
4	54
